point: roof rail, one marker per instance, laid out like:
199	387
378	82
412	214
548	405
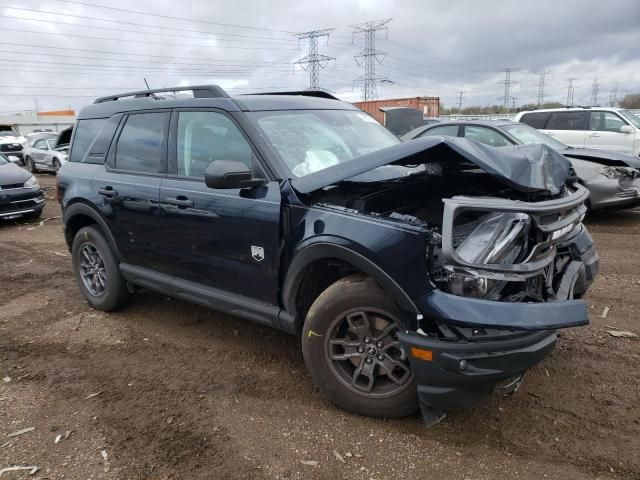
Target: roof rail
304	93
199	91
577	106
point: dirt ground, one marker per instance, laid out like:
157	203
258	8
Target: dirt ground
166	389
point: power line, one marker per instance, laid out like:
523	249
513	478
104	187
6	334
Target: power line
146	25
139	32
173	17
506	98
66	34
571	88
313	62
369	56
541	84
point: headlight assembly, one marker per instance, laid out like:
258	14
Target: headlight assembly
498	239
31	183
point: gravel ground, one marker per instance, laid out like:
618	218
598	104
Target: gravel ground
166	389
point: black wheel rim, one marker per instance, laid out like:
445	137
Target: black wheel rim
364	353
92	270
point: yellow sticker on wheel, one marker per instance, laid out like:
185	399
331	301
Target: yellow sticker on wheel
313	334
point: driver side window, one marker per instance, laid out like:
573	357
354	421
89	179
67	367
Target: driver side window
207	136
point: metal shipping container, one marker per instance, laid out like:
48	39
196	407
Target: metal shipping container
430	106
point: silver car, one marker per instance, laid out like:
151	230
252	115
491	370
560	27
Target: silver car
612	178
43	154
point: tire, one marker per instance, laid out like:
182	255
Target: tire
56	165
347	321
31	166
91	252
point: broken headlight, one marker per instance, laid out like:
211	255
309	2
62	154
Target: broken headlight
497	238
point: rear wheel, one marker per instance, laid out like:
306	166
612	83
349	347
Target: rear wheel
351	349
96	270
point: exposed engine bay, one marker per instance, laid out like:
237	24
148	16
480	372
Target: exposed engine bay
487	240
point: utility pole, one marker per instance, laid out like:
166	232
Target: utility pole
507	85
460	94
541	82
613	96
595	86
570	91
369	57
313	62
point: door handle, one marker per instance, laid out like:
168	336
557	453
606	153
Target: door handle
108	192
594	134
180	201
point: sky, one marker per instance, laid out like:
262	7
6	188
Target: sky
64	53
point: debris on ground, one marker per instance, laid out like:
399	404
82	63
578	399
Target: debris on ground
58	439
6	379
32	469
310	463
621	334
339	457
92	395
20	432
104	455
605	312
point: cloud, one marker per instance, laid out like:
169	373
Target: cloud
432	48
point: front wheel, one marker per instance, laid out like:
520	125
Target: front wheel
56	165
96	270
351	349
31	166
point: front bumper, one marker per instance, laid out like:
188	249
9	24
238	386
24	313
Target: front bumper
20	201
459	375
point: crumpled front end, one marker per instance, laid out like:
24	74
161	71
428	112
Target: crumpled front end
508	274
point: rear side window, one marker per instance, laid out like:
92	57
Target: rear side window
141	145
85	132
536	119
567	121
445	131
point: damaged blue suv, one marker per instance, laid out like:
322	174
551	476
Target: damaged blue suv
421	275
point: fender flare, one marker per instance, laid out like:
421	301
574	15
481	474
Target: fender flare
320	251
82	209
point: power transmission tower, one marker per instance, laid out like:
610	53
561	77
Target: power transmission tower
541	83
613	96
595	86
460	94
507	85
571	88
513	102
369	56
313	62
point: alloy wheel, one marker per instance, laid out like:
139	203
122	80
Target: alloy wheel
92	270
364	353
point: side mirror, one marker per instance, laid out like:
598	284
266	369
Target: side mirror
230	174
626	129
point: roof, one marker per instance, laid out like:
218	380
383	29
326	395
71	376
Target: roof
138	101
571	109
488	123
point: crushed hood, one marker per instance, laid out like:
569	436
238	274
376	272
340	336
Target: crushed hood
603	157
526	168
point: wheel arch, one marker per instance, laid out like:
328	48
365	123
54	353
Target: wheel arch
79	215
317	266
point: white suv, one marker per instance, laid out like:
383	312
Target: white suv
588	127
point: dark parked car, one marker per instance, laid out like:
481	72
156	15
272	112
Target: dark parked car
20	193
420	273
612	178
